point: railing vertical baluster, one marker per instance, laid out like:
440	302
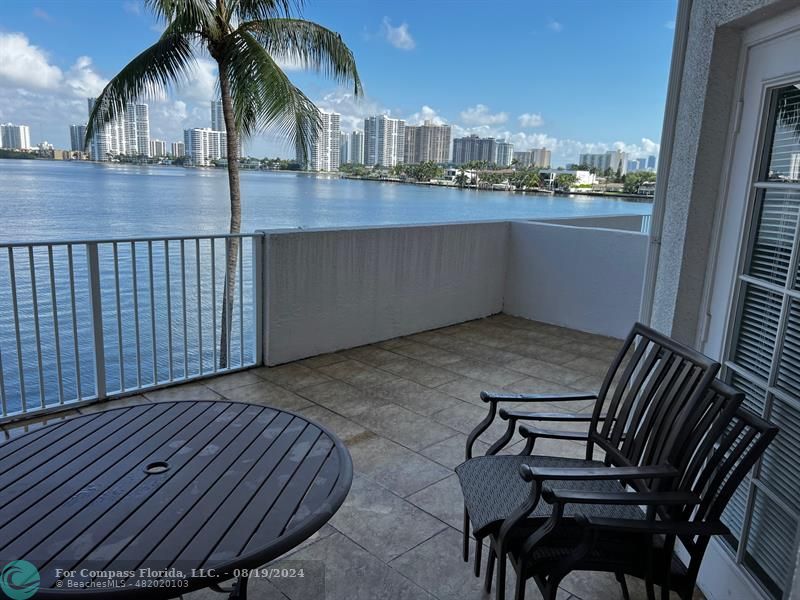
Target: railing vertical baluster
120	351
15	310
199	303
57	338
241	302
36	329
183	309
3	405
93	265
152	310
258	246
169	309
74	310
214	299
136	325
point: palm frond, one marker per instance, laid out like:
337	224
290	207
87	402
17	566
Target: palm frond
184	16
263	96
166	62
311	45
251	10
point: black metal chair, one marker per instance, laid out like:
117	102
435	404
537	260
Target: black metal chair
646	408
687	510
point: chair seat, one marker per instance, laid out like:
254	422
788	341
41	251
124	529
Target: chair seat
493	489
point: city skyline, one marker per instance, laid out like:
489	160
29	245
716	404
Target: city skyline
405	61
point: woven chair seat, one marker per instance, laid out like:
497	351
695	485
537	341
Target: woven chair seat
493	489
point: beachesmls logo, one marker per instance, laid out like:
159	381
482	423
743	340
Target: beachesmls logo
19	580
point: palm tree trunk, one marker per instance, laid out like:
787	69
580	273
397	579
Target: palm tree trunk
231	244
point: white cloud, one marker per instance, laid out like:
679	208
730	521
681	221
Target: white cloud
24	65
530	120
480	115
554	25
82	80
42	15
426	113
132	7
399	36
201	83
353	110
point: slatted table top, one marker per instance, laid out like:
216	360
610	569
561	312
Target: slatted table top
192	491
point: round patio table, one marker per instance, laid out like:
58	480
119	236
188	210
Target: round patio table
156	500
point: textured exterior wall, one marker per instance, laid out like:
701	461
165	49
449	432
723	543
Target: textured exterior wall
705	108
586	279
334	289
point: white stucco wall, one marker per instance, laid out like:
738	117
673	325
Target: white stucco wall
625	222
587	279
334	289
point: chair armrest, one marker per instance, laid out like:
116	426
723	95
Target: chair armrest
680	528
544	416
505	397
553	434
562	496
597	474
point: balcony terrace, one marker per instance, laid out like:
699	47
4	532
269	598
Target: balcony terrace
403	407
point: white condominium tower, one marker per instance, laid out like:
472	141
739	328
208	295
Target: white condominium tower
324	151
15	137
505	153
616	160
427	142
357	147
158	148
538	157
178	149
384	141
203	146
128	133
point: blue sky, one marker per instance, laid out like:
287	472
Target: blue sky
569	75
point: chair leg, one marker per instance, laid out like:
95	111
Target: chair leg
478	552
623	584
465	549
651	592
500	593
487	582
519	588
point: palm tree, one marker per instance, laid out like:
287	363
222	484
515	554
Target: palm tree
247	39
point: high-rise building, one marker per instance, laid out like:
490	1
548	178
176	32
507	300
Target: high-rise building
178	149
217	116
77	136
651	162
204	145
15	137
324	154
505	153
474	148
384	141
540	158
357	147
344	148
616	160
128	133
158	148
427	142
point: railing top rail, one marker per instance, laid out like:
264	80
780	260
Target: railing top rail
127	240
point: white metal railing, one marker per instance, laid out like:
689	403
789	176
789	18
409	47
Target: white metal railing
646	219
85	320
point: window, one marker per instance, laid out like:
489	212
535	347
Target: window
763	359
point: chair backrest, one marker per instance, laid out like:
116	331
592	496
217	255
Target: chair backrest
650	399
718	465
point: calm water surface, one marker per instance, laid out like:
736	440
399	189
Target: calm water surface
160	302
54	200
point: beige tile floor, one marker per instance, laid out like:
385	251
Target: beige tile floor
404	407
